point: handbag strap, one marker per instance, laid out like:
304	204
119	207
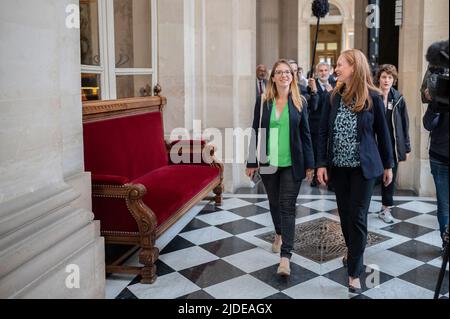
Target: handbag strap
258	145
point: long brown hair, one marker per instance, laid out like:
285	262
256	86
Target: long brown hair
361	83
272	93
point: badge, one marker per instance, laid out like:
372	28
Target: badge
390	106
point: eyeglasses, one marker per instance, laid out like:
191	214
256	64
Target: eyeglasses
280	73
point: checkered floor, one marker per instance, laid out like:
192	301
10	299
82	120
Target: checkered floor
217	254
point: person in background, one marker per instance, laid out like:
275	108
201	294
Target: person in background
301	77
321	86
354	141
398	124
261	79
306	91
302	88
289	150
333	75
436	122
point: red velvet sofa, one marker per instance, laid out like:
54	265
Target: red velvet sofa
137	192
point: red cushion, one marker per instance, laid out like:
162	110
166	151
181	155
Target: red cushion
170	187
130	146
113	214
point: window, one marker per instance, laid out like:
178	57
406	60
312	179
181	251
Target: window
332	46
118	48
333	10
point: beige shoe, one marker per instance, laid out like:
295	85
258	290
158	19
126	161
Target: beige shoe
284	269
276	248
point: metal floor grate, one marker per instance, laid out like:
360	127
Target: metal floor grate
321	240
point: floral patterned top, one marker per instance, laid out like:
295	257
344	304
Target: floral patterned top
345	137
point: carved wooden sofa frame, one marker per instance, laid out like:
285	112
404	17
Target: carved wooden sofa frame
132	194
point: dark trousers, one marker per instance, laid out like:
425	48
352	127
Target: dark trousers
440	177
314	140
387	193
353	193
282	191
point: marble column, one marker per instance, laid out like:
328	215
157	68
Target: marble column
229	61
268	32
50	247
304	34
424	22
361	32
288	21
217	57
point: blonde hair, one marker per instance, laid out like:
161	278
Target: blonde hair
272	92
361	83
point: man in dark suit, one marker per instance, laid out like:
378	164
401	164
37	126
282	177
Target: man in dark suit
261	79
304	89
322	85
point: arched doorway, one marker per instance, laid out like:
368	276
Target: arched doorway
337	31
329	43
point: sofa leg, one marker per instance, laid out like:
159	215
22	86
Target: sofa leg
218	190
148	257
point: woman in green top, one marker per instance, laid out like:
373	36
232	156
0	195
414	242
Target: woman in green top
286	154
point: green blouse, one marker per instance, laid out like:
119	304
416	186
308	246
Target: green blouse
279	138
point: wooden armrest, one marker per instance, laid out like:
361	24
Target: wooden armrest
126	191
132	194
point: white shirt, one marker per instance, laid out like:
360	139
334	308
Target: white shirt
323	85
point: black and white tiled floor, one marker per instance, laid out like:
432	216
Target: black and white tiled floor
216	253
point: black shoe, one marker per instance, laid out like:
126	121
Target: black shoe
344	261
354	290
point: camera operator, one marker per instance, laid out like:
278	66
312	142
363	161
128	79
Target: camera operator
435	93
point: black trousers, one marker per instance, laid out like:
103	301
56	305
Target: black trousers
315	140
282	191
387	193
353	194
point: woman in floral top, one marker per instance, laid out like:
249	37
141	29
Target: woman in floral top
355	145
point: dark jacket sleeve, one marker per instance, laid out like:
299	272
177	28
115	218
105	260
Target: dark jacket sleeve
305	135
382	133
322	142
251	160
405	125
430	119
313	102
424	86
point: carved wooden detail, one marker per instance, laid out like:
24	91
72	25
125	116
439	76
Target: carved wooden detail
100	110
157	90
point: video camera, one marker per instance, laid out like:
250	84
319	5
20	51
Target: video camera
438	78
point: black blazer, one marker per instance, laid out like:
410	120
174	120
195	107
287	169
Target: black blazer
375	147
400	121
315	110
301	146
